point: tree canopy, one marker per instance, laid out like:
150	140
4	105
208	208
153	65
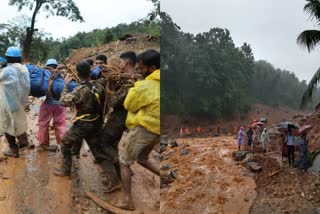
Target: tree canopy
207	75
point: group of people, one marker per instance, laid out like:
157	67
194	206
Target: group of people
289	147
133	122
253	135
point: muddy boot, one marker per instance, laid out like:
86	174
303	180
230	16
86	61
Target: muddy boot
23	141
12	152
50	148
65	169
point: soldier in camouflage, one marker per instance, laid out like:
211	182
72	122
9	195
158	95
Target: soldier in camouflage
88	98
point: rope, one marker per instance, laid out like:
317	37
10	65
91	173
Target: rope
27	108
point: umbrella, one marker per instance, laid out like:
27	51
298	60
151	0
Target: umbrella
264	120
256	124
287	125
304	128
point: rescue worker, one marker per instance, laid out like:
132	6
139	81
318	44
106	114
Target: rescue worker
88	99
116	123
303	163
14	89
143	122
101	59
51	108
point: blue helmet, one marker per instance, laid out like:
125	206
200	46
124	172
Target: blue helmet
13	52
51	62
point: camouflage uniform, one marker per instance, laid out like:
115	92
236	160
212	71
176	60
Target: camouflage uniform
116	123
88	123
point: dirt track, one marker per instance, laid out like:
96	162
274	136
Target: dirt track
27	184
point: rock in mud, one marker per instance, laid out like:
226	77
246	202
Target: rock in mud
239	155
173	174
174	144
167	179
165	167
254	167
162	148
164	140
185	152
247	159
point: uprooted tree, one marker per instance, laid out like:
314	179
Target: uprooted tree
65	8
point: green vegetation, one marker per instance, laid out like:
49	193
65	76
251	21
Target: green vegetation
206	75
310	39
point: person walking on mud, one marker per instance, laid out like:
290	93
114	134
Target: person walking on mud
14	91
249	136
241	137
143	121
51	108
116	122
265	139
291	148
303	161
88	99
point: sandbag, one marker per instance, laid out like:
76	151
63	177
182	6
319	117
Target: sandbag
39	79
58	85
96	72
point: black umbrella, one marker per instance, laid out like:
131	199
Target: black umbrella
287	125
264	120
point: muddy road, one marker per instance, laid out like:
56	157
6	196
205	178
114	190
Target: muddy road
208	180
27	184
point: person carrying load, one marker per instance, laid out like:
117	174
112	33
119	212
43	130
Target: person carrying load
51	108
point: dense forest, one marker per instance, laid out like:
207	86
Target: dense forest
206	75
44	46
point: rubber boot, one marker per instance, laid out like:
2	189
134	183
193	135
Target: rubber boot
114	182
23	141
65	169
13	147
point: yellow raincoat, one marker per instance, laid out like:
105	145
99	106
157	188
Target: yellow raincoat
143	103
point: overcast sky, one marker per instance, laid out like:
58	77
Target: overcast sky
269	26
98	14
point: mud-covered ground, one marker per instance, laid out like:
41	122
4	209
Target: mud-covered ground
208	180
282	189
27	184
